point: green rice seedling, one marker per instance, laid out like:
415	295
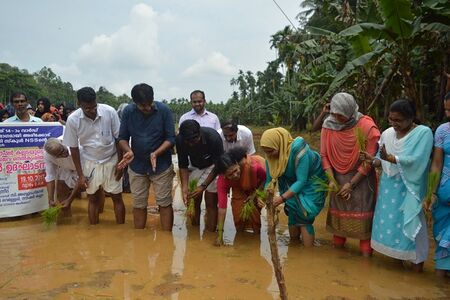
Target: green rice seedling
190	210
432	184
260	197
433	181
323	185
219	240
247	209
50	215
261	194
361	139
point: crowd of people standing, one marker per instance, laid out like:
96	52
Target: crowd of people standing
376	181
44	110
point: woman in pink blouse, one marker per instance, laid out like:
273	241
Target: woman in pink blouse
244	174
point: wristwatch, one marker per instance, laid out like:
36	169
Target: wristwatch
282	197
203	185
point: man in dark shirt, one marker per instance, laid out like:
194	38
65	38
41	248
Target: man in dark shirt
201	146
152	130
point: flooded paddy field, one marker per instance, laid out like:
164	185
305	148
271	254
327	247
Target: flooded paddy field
74	260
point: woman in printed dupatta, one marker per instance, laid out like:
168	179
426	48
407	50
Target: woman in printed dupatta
296	168
244	174
399	226
351	209
441	207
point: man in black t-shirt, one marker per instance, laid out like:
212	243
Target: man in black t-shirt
201	147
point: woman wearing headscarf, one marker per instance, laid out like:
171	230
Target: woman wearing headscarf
399	226
296	168
351	208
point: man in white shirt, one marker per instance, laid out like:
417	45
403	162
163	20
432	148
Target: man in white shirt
199	113
234	135
96	128
60	174
20	102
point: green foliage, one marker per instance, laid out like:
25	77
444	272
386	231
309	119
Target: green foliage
247	210
398	16
376	50
52	87
50	215
322	185
106	97
45	83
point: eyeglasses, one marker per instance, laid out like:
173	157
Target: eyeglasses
17	101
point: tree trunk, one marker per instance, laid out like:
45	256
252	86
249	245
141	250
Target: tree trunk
271	226
410	88
386	80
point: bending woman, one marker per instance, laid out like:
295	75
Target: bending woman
399	227
351	209
244	174
441	207
295	167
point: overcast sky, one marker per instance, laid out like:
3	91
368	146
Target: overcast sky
176	46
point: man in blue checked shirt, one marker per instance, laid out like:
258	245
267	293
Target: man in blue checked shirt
150	126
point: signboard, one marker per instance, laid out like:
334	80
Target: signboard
22	168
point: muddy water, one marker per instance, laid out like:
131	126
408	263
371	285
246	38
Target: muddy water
76	261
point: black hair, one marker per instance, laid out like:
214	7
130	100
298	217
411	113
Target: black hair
86	95
229	124
17	94
447	97
60	104
405	107
141	93
197	92
2	112
237	153
69	108
189	129
46	103
224	162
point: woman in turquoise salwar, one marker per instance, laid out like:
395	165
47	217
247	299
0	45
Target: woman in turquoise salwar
399	226
441	206
295	167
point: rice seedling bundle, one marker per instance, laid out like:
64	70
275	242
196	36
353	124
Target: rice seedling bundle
247	209
261	194
50	215
261	197
190	210
433	181
323	185
360	139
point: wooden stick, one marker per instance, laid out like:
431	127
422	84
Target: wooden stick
271	226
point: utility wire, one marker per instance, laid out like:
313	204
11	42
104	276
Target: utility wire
282	11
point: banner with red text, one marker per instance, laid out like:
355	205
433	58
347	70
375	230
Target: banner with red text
22	169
